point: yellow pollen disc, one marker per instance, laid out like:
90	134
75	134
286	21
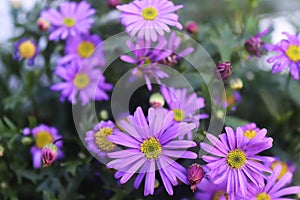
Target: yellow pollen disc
263	196
236	159
151	148
219	194
178	115
69	22
149	13
85	49
250	134
293	53
43	138
284	168
81	81
27	49
101	139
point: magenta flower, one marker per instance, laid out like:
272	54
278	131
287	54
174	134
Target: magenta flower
191	27
96	139
27	49
49	153
43	135
85	48
88	83
275	188
146	60
254	45
185	106
195	174
223	70
72	19
151	144
149	18
288	55
234	160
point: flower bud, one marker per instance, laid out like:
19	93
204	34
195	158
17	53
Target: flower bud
43	24
236	84
195	173
254	45
223	70
157	100
26	140
191	27
113	3
1	150
49	153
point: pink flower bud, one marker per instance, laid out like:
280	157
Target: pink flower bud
195	173
43	24
49	153
223	70
191	27
113	3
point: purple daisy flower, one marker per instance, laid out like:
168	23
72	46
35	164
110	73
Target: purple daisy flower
151	144
27	49
96	139
274	188
88	83
147	60
85	47
72	19
285	166
210	191
233	160
185	106
43	135
149	18
288	54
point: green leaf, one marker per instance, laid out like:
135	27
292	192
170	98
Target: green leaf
294	91
234	121
270	103
48	195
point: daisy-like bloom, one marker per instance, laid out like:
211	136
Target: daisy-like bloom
254	45
146	60
72	19
151	145
206	189
88	83
173	47
84	47
149	18
27	49
234	160
43	135
96	139
185	106
285	166
274	189
288	55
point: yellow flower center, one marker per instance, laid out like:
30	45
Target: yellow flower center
219	194
284	168
85	49
81	81
236	159
149	13
263	196
27	49
69	22
178	115
43	138
293	53
151	148
101	139
250	134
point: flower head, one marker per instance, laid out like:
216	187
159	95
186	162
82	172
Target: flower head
151	144
49	153
72	19
210	191
185	106
195	174
234	160
148	18
223	70
254	45
285	166
191	27
85	48
43	24
44	135
288	55
96	139
87	82
27	49
275	188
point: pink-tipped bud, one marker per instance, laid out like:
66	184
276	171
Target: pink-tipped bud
223	70
191	27
43	24
157	100
195	174
113	3
49	153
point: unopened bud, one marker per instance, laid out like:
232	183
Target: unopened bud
26	140
195	174
223	70
43	24
236	84
1	151
191	27
157	100
49	153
